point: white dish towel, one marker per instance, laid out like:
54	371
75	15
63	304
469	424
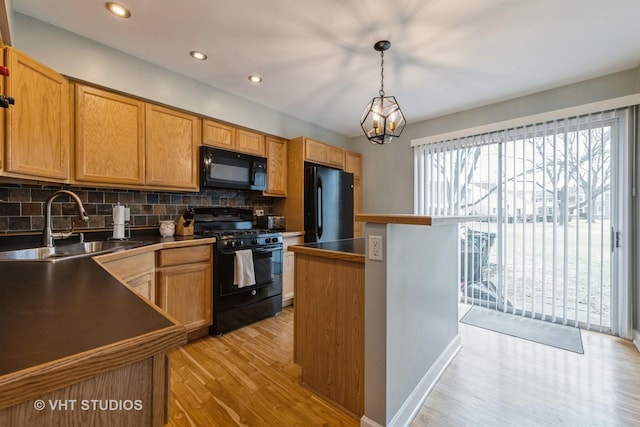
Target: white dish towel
244	274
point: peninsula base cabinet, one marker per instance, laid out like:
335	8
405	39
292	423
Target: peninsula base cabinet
184	285
132	395
137	271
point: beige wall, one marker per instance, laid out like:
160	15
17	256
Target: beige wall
83	59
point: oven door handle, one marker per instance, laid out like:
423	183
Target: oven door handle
264	251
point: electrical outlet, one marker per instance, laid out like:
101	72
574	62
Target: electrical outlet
375	248
259	212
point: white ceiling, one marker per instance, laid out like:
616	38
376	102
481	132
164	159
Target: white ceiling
317	57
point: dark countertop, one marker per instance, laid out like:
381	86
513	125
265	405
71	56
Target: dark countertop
51	310
352	246
346	250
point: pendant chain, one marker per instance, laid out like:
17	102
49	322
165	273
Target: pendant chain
381	73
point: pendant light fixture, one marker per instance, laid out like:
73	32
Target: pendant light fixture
382	120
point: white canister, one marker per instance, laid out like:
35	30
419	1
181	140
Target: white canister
167	228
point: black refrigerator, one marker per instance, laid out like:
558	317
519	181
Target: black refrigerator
328	204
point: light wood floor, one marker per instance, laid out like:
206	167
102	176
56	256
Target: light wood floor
247	377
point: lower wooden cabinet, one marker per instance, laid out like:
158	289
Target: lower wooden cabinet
184	285
288	260
137	271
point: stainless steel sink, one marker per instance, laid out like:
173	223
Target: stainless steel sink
69	251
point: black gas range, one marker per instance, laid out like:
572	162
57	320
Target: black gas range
239	302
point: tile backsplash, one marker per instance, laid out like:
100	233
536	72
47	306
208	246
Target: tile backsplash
22	206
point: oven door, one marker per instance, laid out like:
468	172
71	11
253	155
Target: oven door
267	266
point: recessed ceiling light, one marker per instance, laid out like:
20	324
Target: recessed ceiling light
254	78
198	55
118	10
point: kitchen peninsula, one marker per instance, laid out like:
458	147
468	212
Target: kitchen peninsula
375	335
82	348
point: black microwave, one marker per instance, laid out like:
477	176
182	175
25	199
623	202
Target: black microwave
227	169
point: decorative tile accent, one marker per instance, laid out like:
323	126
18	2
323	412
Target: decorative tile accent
22	206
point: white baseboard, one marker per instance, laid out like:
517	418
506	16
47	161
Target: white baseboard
368	422
636	339
414	402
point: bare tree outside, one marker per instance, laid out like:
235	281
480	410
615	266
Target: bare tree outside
546	191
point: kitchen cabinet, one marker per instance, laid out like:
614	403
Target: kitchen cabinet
137	271
288	261
172	141
276	166
110	141
218	134
227	137
1	115
250	142
325	154
353	164
37	127
124	142
184	278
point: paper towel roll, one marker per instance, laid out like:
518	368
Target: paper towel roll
118	214
118	231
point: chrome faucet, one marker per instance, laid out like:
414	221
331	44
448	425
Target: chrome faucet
47	234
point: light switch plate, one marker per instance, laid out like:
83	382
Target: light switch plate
375	248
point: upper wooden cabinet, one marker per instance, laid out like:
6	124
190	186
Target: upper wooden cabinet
172	141
353	164
124	142
276	166
37	128
319	152
109	137
1	119
250	142
227	137
218	134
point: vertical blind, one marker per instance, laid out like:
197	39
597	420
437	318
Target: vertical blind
547	193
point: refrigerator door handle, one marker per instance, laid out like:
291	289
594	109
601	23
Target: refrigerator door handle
319	207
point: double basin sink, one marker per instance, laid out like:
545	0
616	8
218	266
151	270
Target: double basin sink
69	251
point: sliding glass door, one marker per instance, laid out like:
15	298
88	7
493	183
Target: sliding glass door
549	196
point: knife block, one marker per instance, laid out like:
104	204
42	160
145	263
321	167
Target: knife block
182	229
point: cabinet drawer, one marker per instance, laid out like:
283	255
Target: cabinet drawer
186	255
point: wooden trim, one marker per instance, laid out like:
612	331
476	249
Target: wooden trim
160	391
37	380
417	219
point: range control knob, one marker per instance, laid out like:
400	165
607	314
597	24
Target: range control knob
229	244
238	243
254	241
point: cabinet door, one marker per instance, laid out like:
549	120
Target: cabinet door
276	167
1	119
109	137
288	264
145	285
250	142
218	135
335	156
353	164
184	292
357	206
315	151
172	141
38	126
